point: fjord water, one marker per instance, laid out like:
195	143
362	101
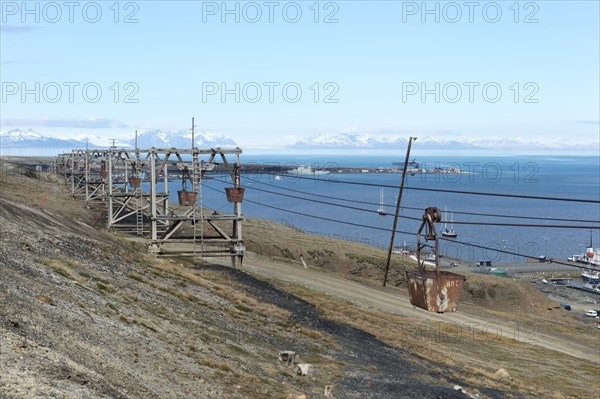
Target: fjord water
546	176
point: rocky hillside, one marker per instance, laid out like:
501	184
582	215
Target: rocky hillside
88	314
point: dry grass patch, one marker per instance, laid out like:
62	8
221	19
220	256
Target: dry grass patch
218	365
466	355
270	240
224	288
105	288
45	299
129	297
137	277
58	267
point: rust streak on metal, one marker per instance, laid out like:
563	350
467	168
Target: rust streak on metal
187	198
234	194
433	290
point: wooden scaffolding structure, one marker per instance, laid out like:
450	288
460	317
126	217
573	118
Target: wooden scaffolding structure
206	234
135	187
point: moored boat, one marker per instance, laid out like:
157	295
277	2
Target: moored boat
591	276
449	232
304	170
381	209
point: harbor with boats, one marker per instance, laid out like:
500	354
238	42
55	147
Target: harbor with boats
575	287
574	295
324	168
562	283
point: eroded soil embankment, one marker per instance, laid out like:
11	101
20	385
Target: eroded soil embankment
374	369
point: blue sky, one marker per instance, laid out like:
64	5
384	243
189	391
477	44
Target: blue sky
369	62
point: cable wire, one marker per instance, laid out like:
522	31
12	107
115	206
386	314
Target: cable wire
420	209
399	231
316	216
416	218
558	262
447	191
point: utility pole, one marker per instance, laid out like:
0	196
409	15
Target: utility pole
389	255
193	162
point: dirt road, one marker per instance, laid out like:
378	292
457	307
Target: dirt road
395	301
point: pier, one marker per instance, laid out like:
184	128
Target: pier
570	283
330	168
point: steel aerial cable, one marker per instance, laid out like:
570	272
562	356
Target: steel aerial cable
558	262
317	201
397	231
420	209
448	191
316	216
550	226
420	219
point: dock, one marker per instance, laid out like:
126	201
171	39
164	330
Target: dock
569	283
330	168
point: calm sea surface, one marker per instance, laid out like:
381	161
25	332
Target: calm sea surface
566	177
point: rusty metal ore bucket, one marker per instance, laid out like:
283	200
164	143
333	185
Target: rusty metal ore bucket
135	182
435	291
187	198
234	194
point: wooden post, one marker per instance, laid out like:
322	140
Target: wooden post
154	233
194	188
110	190
73	173
237	211
389	255
87	174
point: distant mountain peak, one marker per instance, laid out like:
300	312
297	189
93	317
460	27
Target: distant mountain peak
180	139
15	135
30	142
335	141
365	141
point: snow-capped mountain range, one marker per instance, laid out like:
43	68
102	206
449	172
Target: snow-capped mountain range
180	139
31	138
360	141
30	142
365	141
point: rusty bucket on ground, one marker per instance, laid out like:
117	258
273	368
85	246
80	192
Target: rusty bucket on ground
187	198
433	290
234	194
135	182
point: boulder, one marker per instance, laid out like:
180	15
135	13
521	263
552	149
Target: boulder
502	375
303	368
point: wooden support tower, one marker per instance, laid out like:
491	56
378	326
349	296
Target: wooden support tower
95	178
137	187
187	218
128	196
76	173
